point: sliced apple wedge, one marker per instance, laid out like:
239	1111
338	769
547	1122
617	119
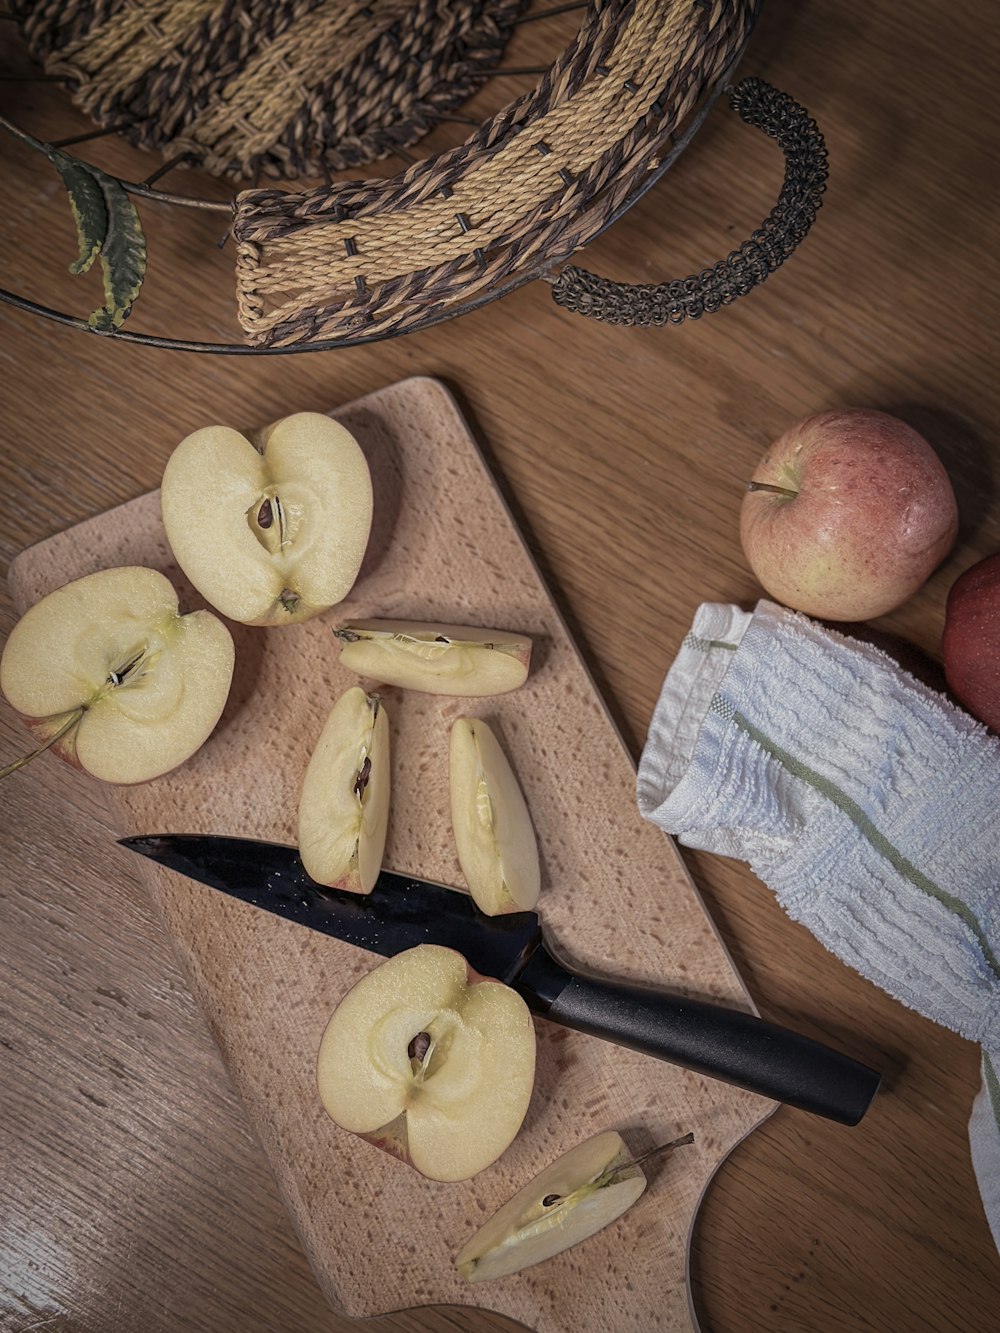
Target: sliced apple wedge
430	1062
437	659
344	805
110	675
273	534
496	843
576	1196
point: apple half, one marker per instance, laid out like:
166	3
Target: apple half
437	659
274	532
109	674
431	1062
344	804
496	843
576	1196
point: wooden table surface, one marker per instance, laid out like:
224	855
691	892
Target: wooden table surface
133	1196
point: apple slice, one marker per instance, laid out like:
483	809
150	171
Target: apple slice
496	843
275	534
437	659
576	1196
344	806
430	1062
111	677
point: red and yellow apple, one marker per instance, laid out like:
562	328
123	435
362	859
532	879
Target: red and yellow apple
970	644
847	515
431	1062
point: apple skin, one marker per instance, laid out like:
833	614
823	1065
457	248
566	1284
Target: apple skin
870	514
42	729
970	643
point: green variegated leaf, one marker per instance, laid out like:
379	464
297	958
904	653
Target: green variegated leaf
87	202
123	256
108	227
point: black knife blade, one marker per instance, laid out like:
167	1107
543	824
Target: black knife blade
403	911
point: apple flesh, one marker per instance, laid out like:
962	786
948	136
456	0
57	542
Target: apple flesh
496	843
970	644
271	533
110	675
576	1196
437	659
430	1062
344	804
847	515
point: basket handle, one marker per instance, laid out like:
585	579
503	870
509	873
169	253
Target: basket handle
799	138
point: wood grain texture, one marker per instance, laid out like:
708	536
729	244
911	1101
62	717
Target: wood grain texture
616	895
622	454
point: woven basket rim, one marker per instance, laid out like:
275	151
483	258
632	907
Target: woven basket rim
286	237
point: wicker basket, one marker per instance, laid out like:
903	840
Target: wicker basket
351	262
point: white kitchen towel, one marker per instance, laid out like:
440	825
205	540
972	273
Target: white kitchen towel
866	801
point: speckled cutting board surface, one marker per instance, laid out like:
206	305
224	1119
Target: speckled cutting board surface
616	897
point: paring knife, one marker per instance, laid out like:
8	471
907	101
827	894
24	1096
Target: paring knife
402	912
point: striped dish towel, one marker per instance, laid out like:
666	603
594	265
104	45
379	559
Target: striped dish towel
865	800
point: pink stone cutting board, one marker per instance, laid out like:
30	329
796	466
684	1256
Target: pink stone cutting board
616	897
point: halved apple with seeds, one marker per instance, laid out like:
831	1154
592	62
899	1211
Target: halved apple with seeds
344	805
437	659
430	1062
109	674
271	532
576	1196
496	843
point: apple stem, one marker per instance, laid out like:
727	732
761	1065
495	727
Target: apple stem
773	490
663	1148
68	725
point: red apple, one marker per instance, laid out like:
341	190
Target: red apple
847	515
970	644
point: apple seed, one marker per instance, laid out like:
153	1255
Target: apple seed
364	774
419	1046
269	525
122	674
550	1199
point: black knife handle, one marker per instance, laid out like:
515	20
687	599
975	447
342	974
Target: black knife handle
727	1044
